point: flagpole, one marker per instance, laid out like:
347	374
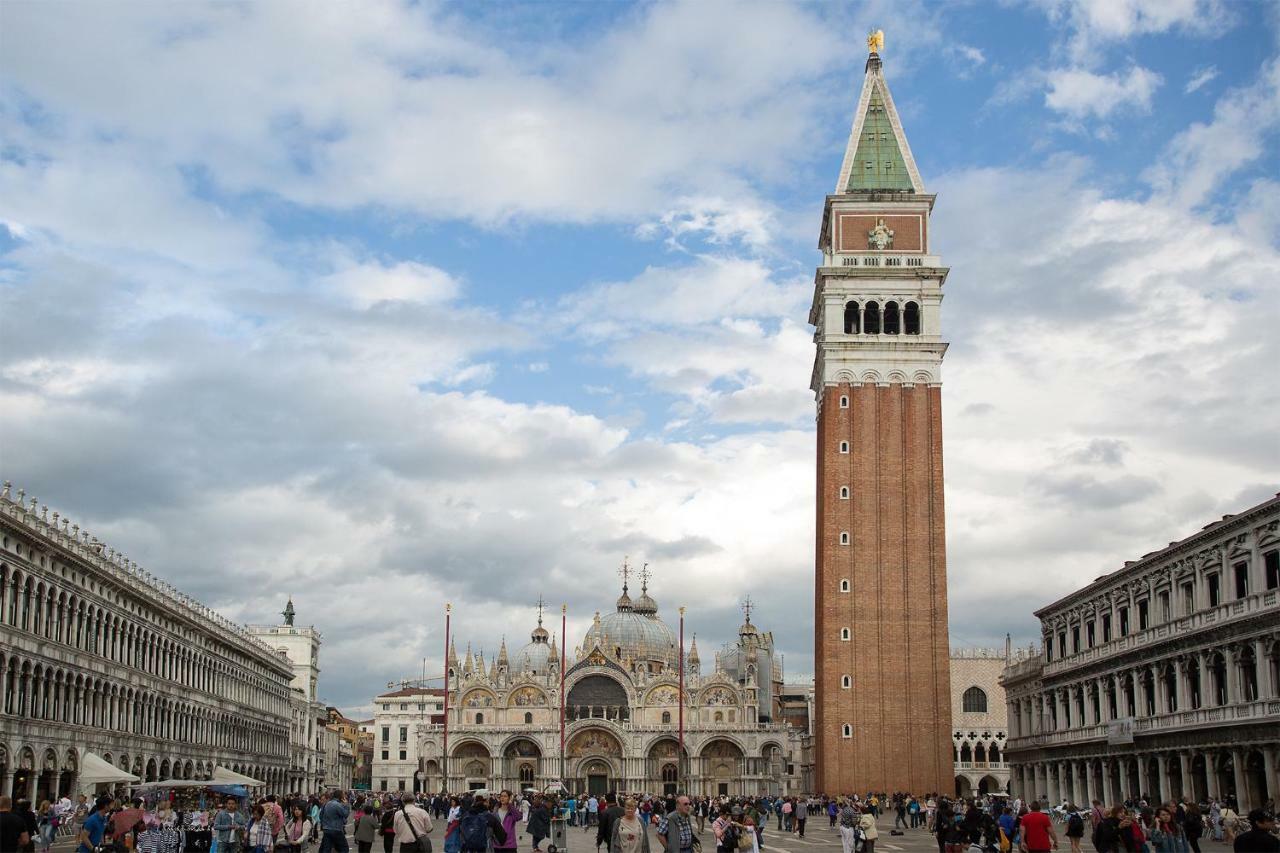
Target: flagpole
444	759
680	756
564	609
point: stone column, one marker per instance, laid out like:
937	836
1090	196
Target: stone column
1233	678
1243	799
1163	791
1269	772
1262	671
1184	765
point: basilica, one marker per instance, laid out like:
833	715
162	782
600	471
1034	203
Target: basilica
622	697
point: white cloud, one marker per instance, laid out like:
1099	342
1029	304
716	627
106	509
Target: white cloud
1082	94
1197	160
368	284
717	220
1096	24
1200	78
412	108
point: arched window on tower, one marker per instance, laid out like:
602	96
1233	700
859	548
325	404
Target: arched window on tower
975	700
871	319
892	326
528	717
966	753
666	718
851	318
479	719
911	319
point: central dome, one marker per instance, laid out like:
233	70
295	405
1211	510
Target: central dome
634	631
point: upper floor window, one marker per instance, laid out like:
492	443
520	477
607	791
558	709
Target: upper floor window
1271	563
1242	579
1124	621
1215	589
1163	599
911	319
1090	634
871	319
386	733
1075	639
1188	598
851	319
1106	627
975	700
1143	620
892	324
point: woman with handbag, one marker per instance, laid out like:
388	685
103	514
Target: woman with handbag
297	830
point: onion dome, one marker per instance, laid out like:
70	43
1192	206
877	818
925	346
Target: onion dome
536	655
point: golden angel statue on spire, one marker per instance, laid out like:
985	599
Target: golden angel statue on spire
875	41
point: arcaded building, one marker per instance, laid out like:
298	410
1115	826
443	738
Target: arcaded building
98	655
1160	679
882	688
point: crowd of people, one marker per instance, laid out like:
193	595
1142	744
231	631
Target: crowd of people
478	822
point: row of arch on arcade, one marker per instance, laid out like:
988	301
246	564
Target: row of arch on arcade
870	319
595	761
1210	774
969	787
45	773
32	605
34	690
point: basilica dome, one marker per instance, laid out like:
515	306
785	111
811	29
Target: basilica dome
633	631
536	655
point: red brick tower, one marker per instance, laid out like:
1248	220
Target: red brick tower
883	698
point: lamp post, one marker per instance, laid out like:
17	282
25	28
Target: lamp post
564	609
680	715
444	748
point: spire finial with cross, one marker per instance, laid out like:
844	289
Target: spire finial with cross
541	605
625	573
746	608
644	578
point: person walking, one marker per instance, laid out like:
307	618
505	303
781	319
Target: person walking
629	832
259	838
480	827
297	830
607	817
675	829
1075	828
1037	831
870	832
333	824
228	827
801	814
848	821
412	826
1261	837
539	823
366	829
508	814
1192	826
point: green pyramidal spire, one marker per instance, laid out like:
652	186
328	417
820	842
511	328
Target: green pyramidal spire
878	158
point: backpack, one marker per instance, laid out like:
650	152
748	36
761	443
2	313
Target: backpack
729	841
475	830
1075	826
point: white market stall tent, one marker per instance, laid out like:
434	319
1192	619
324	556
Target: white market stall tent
224	776
95	770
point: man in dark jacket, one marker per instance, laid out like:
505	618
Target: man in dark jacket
478	826
1261	837
604	836
539	825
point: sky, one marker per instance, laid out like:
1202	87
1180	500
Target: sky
384	305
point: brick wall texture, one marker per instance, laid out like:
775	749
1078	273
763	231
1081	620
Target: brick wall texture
899	704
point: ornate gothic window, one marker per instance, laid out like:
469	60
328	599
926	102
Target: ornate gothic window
975	700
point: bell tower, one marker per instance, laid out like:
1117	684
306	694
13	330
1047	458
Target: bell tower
882	662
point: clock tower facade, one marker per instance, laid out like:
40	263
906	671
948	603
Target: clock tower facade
882	661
